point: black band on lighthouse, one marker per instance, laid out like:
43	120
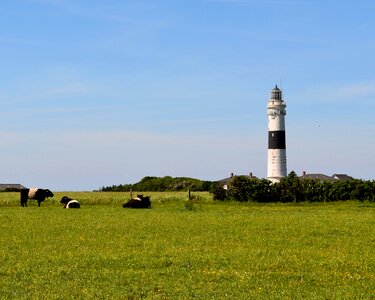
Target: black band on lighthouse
276	140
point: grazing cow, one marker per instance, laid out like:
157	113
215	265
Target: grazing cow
35	194
70	203
139	202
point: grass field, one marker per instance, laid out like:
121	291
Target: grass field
214	250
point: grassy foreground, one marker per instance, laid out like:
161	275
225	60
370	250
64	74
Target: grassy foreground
216	250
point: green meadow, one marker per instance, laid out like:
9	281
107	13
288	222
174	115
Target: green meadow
207	250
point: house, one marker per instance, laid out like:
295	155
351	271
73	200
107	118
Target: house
224	182
10	187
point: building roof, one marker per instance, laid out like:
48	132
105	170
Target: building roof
326	177
11	186
342	177
316	176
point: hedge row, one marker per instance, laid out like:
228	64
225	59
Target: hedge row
294	189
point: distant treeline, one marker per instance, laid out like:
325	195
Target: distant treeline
294	189
162	184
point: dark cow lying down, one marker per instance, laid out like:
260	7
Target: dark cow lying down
35	194
139	202
70	203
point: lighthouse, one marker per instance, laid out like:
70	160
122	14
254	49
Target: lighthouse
276	168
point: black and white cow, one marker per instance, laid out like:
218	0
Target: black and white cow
139	202
69	202
35	194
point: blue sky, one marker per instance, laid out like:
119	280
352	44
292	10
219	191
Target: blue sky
96	93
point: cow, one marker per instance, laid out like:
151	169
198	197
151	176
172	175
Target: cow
69	202
35	194
139	202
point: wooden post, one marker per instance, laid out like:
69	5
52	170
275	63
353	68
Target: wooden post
189	204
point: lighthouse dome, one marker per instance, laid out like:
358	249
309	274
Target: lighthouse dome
276	94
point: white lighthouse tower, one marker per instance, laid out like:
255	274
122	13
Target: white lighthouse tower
276	112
